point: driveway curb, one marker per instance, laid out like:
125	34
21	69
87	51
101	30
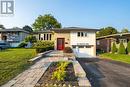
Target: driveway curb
81	74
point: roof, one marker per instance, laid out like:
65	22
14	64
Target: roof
65	29
74	29
42	31
13	30
113	35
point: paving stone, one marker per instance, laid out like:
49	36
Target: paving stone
17	85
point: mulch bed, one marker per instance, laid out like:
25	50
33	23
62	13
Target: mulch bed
70	80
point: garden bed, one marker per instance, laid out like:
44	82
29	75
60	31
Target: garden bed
70	79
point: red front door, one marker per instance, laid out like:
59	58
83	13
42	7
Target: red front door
60	43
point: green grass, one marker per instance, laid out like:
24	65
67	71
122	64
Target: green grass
13	62
117	57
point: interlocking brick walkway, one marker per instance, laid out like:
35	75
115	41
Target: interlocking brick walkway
30	77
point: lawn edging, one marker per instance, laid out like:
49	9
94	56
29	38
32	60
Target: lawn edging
80	73
40	55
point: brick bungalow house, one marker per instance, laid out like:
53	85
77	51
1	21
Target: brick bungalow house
104	43
81	40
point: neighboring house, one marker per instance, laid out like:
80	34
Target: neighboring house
104	43
81	40
13	36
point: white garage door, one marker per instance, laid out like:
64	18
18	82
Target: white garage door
86	50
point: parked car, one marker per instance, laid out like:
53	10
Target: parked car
4	45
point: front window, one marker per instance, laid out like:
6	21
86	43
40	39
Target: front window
123	40
47	36
85	34
44	37
82	34
50	36
78	34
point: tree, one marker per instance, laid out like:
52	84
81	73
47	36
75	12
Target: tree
114	49
106	31
128	47
27	28
2	26
124	30
121	49
46	22
31	39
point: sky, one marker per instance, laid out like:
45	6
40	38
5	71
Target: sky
72	13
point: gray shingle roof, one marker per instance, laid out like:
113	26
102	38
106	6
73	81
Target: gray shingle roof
74	29
113	35
13	30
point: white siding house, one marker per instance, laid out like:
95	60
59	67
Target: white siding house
81	40
83	43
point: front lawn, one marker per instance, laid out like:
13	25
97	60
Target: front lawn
13	62
117	57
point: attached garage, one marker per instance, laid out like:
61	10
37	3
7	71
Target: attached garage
86	50
83	51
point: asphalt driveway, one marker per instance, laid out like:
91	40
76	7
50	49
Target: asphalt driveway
106	73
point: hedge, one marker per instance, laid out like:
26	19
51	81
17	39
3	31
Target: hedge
114	48
128	47
22	44
121	49
42	46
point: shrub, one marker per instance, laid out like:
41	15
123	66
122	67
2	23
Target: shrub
99	51
121	49
42	46
40	50
128	47
59	75
62	65
114	49
68	50
22	45
60	72
31	39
